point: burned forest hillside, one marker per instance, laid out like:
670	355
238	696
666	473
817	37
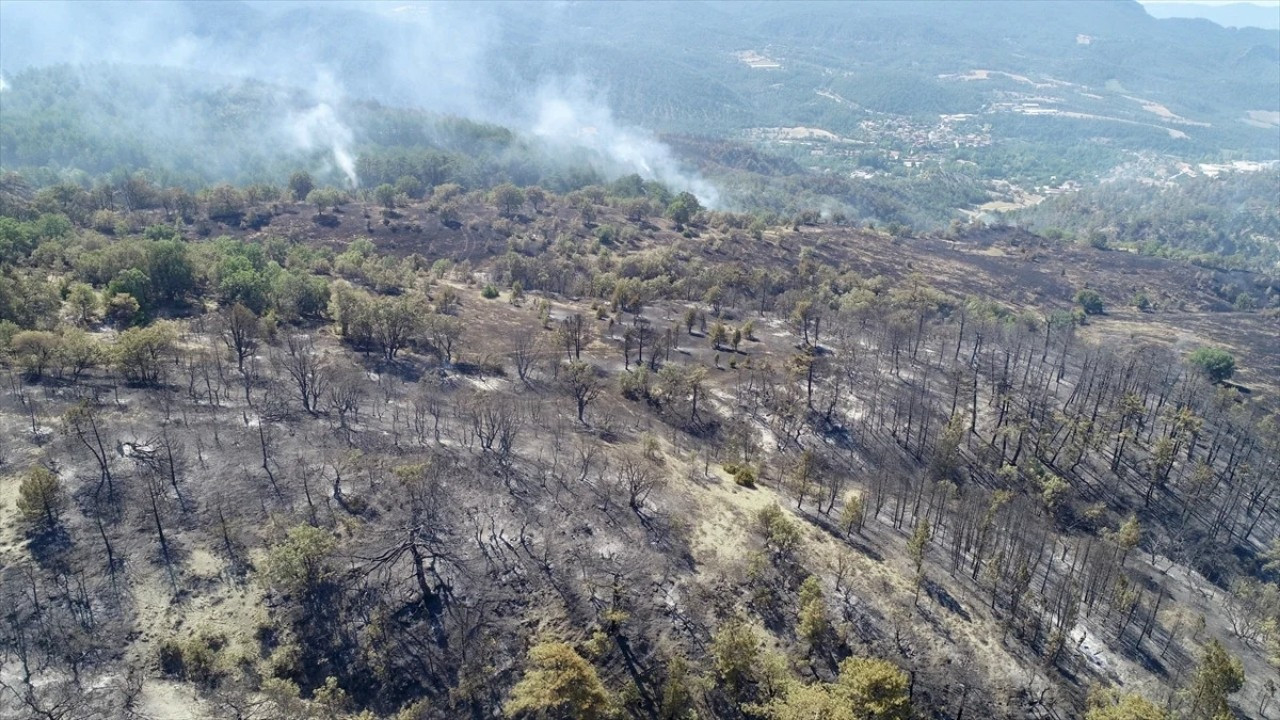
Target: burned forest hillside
431	452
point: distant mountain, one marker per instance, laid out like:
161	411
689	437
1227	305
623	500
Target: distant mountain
1233	15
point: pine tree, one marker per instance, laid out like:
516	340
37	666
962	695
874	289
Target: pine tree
559	683
40	499
735	648
813	623
1217	676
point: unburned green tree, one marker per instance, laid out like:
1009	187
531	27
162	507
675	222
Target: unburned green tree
558	684
170	271
735	647
226	203
867	689
718	336
683	208
1217	676
853	514
300	563
79	351
876	689
678	692
136	284
123	310
41	499
508	198
803	477
781	534
83	302
385	195
142	353
331	701
348	307
35	351
297	295
395	322
1271	558
324	198
410	186
240	282
301	185
798	700
918	543
813	623
1216	364
1127	536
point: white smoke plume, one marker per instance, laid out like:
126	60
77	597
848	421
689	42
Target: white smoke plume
320	127
565	115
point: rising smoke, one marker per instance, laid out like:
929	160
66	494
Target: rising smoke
320	127
566	115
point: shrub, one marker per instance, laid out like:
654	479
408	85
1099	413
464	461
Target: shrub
607	234
635	384
1090	301
194	659
489	292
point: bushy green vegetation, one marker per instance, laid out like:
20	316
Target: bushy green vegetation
1217	364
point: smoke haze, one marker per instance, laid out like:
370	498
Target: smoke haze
443	58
